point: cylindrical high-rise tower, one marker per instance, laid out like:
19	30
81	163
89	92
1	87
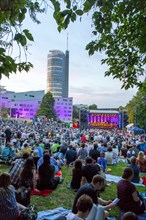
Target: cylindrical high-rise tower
58	73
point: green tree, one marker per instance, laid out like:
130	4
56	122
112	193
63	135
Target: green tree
47	106
4	112
118	29
12	15
75	112
137	108
93	107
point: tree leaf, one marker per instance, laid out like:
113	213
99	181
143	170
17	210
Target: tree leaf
28	35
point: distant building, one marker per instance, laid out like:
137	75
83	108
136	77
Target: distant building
58	73
22	104
81	106
64	108
26	104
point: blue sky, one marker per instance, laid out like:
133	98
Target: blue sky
87	84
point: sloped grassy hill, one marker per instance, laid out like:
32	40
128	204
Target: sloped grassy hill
64	197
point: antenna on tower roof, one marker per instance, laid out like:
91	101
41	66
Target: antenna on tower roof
67	41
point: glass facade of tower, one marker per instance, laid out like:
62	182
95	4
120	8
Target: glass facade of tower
58	73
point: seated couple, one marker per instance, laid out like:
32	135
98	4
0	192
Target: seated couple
26	174
87	204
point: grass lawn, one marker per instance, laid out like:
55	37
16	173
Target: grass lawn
64	197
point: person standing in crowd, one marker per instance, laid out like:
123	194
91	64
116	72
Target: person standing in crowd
8	134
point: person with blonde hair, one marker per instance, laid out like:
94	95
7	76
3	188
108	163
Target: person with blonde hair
9	208
141	161
123	151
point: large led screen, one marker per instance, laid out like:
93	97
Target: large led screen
103	120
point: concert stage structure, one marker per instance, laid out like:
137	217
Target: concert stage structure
104	119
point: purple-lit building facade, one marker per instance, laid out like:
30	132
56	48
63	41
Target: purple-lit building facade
26	104
64	108
21	104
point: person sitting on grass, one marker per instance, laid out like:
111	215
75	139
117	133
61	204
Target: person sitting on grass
76	175
130	216
89	170
46	175
141	161
92	189
109	156
9	208
16	169
27	176
87	210
128	195
123	152
102	161
135	168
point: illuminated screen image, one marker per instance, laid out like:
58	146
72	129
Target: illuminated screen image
103	120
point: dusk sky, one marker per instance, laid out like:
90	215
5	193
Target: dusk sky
87	84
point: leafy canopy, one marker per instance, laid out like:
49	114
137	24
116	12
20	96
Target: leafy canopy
119	30
137	108
12	16
93	107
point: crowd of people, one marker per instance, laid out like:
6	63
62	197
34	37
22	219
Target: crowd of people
37	151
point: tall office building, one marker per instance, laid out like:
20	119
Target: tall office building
58	73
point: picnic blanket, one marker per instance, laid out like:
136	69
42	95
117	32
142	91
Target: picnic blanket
116	179
54	214
58	214
45	192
